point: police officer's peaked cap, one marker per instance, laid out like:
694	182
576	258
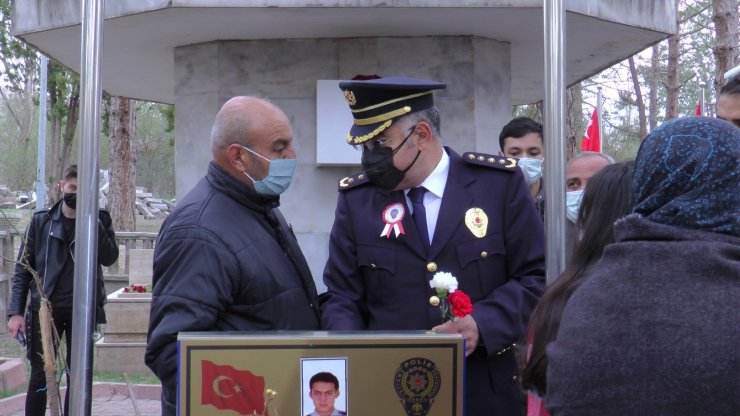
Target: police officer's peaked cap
376	103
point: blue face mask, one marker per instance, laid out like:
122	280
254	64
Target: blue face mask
532	169
572	204
278	178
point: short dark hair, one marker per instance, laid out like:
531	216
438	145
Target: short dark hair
70	172
519	127
325	377
731	87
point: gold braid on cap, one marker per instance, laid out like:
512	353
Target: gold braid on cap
366	137
395	100
382	117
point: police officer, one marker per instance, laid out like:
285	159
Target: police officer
420	208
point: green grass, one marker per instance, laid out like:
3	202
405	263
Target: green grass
9	393
119	378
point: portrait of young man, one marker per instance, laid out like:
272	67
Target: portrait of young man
324	391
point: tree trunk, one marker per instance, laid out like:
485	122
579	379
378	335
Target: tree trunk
653	85
73	115
574	104
672	82
26	118
55	127
122	195
725	19
639	101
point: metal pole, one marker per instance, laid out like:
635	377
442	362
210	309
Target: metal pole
86	231
41	152
554	118
602	139
702	85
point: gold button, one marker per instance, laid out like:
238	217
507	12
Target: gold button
361	177
481	158
491	160
372	265
513	379
431	267
471	157
484	254
350	180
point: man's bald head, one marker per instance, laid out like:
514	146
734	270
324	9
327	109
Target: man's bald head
249	132
238	119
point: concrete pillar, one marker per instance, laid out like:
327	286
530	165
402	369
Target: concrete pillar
474	107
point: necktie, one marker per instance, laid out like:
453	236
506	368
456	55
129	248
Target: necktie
416	195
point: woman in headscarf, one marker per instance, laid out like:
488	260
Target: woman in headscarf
654	329
606	199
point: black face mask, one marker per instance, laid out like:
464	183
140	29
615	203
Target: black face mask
378	165
71	200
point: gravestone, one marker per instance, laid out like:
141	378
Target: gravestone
140	263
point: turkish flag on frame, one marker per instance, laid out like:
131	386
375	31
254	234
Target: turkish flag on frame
591	141
225	387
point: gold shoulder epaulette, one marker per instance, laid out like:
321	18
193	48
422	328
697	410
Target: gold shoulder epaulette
498	162
352	181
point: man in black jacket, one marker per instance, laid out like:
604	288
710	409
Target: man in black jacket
48	249
225	259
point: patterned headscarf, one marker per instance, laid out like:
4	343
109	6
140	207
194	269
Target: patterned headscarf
687	174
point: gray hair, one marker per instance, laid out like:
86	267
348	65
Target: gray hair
589	153
430	115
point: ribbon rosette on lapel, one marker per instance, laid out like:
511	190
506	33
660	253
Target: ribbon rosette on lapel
392	216
452	302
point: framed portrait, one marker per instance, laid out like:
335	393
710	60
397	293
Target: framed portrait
393	373
325	371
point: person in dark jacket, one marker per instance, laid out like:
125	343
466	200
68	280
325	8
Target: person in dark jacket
653	331
48	250
225	258
420	208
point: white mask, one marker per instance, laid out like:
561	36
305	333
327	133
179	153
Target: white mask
532	169
572	204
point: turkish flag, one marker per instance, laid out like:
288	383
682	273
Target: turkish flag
591	141
698	109
225	387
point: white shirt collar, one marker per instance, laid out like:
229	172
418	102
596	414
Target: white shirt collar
436	181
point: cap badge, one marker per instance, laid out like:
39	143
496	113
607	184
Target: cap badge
477	222
350	97
392	216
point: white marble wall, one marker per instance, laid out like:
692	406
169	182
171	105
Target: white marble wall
475	105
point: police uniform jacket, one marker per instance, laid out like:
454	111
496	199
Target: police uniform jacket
382	283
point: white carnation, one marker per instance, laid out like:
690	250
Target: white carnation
444	281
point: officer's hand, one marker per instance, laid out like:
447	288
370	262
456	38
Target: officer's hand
464	326
16	323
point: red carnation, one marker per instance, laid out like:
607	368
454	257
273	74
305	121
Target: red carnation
460	303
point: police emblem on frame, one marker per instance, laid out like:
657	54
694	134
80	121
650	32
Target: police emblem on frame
417	382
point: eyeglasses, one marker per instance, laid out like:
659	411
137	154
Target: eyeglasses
375	144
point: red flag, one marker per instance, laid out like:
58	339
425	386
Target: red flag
698	108
225	387
591	141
